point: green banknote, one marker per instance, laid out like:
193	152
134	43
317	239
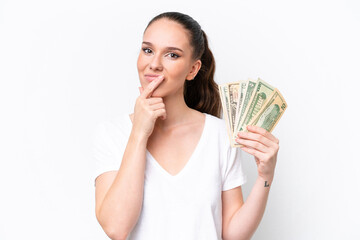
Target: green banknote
233	102
271	113
250	87
242	92
261	95
223	89
250	103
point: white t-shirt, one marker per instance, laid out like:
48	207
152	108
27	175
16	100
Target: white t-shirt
187	205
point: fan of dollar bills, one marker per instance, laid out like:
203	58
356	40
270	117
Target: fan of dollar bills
250	102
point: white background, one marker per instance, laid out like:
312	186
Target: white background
66	65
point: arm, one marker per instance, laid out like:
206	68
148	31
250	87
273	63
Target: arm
247	218
264	147
119	195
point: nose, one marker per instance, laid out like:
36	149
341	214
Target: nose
156	63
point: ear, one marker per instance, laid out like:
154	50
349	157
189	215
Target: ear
194	70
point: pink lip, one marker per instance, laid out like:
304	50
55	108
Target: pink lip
151	77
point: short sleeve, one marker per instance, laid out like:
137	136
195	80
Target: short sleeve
234	175
106	148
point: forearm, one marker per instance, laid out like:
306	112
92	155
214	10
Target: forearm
122	204
246	220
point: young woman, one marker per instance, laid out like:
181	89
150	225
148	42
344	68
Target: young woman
167	170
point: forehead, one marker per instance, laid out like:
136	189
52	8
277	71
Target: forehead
164	33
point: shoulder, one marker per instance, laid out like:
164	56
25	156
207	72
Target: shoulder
114	126
217	124
219	132
215	119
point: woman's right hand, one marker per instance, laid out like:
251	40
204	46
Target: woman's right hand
147	109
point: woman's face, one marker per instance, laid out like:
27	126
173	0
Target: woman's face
166	51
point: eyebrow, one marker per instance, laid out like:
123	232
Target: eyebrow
169	48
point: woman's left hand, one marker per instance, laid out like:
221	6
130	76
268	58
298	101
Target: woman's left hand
263	146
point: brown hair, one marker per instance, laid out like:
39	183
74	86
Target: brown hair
202	92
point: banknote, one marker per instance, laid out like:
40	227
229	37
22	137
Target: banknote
260	96
240	103
270	114
233	102
250	86
223	89
251	102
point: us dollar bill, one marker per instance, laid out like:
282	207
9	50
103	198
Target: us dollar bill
242	92
251	102
261	95
250	86
233	102
223	90
270	114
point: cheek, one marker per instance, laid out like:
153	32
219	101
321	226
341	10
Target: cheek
177	71
140	63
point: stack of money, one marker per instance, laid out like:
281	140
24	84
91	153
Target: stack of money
251	102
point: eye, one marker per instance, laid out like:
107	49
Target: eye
173	55
144	49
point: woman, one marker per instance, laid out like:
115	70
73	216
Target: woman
167	171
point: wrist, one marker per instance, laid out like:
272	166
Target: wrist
138	136
266	181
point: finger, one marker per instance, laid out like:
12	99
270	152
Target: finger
151	87
152	100
254	144
256	137
157	106
263	132
253	152
160	112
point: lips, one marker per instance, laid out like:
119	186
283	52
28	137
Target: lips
151	77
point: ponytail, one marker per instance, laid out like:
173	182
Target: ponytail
202	92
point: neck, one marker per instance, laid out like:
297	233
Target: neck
177	112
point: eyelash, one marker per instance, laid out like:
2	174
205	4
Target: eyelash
177	56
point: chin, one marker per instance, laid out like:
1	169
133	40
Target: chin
157	93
